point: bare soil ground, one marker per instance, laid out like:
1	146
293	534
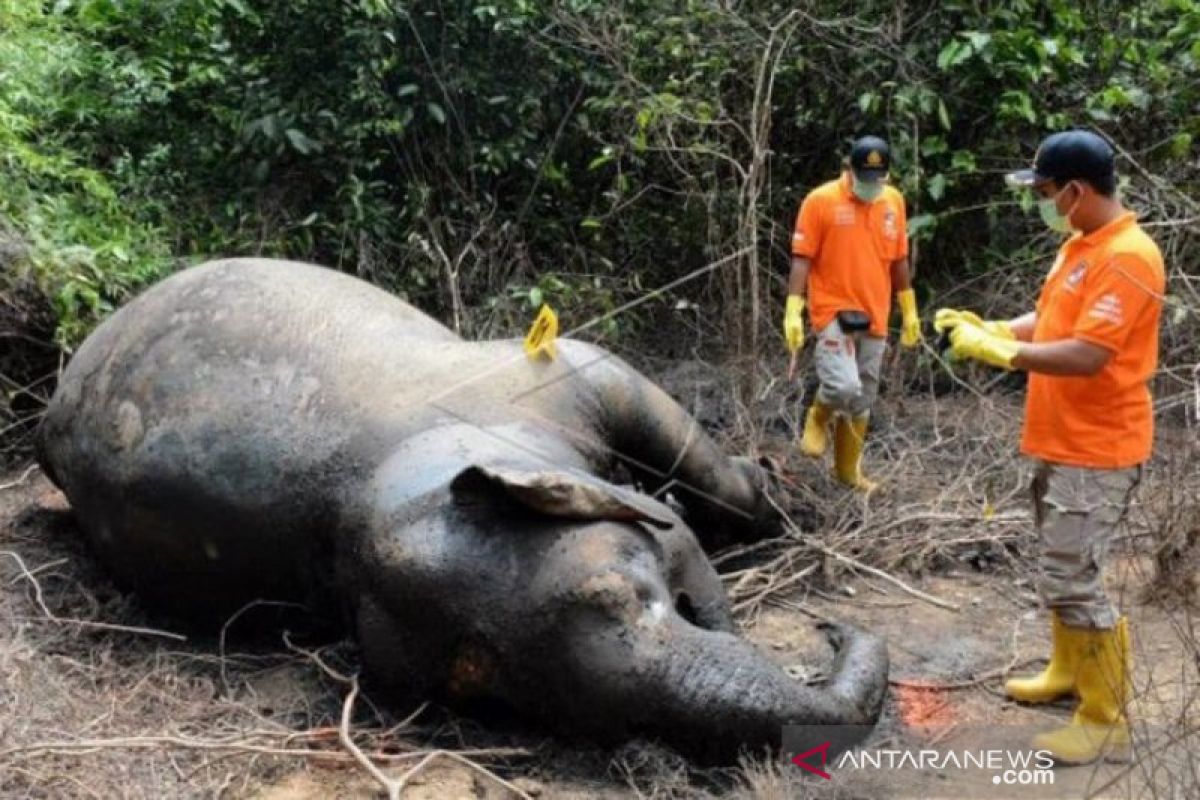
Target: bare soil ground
98	700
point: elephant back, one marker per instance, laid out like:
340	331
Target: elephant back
208	431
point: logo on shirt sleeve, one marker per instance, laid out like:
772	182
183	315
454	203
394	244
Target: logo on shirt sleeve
1108	308
889	224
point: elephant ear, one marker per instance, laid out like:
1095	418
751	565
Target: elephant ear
568	493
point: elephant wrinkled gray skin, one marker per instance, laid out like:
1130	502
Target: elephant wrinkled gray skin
262	429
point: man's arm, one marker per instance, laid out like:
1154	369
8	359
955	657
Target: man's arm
901	277
1022	326
798	280
1063	357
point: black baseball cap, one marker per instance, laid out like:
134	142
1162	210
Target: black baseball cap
1067	156
870	157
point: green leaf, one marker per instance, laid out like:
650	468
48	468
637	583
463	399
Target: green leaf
301	143
436	111
599	161
963	161
535	297
920	222
933	146
943	115
936	186
979	40
953	54
590	222
865	101
1181	145
1016	103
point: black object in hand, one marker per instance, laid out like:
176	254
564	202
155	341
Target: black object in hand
944	343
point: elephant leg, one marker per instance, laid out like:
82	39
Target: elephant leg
616	414
668	449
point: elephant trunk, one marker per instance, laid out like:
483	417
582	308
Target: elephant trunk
712	693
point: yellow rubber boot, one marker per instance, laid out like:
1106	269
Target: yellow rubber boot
816	425
849	437
1099	728
1058	678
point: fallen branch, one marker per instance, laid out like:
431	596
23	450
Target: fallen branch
899	584
347	741
82	623
84	746
928	598
460	758
23	477
345	737
983	677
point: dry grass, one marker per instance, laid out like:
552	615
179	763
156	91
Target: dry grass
96	702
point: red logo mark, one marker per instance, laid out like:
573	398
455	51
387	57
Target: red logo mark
799	760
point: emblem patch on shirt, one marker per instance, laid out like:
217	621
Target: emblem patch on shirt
1108	308
1076	275
843	215
889	224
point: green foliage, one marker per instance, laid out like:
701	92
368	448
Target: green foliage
88	249
485	150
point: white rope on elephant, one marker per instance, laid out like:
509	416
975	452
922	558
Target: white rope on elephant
503	364
436	400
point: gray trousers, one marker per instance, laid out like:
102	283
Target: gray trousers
848	368
1078	511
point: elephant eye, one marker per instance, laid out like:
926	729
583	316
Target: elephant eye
684	607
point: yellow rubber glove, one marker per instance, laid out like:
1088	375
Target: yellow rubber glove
971	341
793	323
947	318
910	325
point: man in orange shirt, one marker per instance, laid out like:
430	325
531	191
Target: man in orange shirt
1090	348
849	252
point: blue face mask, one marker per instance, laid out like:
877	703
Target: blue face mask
867	191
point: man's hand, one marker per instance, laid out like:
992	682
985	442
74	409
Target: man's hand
793	323
949	318
910	325
971	341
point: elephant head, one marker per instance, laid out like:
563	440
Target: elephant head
590	607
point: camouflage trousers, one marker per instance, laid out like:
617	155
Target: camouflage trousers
1078	511
848	366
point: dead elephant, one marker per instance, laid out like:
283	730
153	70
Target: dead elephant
263	429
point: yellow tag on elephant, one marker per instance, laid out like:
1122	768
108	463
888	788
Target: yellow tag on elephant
543	332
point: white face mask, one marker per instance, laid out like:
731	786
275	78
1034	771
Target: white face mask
867	191
1048	208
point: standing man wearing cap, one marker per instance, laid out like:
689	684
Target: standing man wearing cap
849	253
1090	348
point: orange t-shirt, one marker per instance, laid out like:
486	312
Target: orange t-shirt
1105	287
851	245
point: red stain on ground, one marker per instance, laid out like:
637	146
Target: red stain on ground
926	709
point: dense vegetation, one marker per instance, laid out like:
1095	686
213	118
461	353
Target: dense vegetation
478	157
